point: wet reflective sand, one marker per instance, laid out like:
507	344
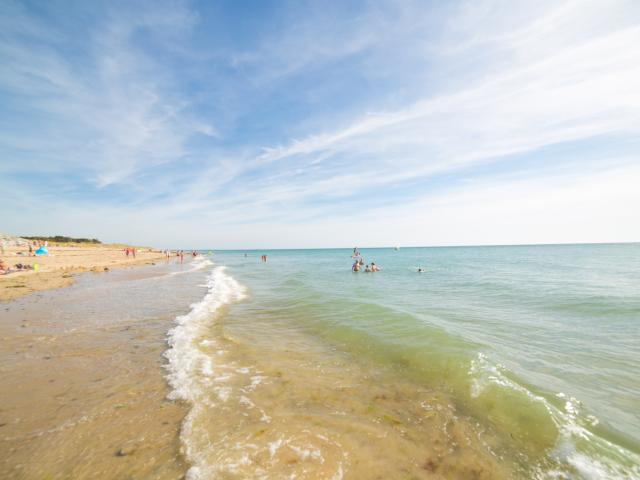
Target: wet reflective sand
83	392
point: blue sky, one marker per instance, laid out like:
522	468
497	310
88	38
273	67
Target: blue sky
309	124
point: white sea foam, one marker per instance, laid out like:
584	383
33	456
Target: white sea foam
190	369
198	263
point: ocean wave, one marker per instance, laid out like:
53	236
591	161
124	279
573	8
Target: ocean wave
578	452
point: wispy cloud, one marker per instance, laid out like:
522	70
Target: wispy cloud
103	105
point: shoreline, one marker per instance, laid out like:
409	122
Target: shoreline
59	268
84	381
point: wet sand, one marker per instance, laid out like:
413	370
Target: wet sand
58	269
83	388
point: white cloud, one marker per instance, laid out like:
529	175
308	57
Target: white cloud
580	92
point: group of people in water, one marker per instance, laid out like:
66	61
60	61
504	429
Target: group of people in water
358	264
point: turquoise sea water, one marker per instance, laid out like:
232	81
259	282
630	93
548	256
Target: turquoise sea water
538	344
499	324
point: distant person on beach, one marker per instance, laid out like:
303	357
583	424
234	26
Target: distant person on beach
3	268
126	252
133	251
181	256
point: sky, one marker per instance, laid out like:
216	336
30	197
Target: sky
260	124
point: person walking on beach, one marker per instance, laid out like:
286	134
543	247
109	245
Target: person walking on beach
181	256
133	251
126	252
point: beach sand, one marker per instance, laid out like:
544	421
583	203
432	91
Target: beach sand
83	387
57	269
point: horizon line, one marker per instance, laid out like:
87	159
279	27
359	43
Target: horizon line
426	246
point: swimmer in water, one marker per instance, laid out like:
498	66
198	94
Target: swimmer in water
374	267
420	270
367	269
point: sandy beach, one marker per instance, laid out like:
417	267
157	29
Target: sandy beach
84	393
63	262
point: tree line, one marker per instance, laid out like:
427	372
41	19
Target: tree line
61	239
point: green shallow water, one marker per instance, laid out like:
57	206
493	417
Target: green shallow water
536	346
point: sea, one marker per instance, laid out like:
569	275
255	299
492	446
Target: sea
493	362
